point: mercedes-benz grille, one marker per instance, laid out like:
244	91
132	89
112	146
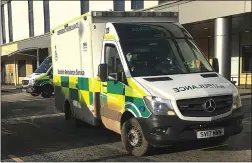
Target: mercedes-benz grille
205	106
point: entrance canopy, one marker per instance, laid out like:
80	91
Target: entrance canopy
26	46
32	49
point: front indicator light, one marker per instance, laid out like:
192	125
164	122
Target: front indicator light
171	112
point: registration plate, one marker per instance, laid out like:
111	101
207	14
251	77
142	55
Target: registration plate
23	90
210	133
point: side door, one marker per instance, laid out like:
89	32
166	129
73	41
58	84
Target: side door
112	91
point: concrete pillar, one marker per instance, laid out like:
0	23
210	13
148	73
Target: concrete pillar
222	45
15	72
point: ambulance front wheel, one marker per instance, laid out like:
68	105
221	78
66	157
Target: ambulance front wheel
133	139
47	91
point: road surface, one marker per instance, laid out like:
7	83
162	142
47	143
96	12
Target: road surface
32	130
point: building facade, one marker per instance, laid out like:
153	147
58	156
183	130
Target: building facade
222	29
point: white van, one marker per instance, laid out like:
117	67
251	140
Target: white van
40	82
141	75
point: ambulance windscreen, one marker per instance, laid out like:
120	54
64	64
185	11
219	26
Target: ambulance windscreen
150	30
45	65
150	51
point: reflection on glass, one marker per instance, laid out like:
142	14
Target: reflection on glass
160	49
45	65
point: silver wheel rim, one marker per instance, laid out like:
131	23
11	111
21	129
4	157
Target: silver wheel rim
134	137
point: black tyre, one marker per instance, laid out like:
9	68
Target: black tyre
47	92
67	110
133	139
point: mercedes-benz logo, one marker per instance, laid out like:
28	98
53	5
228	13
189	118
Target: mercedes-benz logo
210	105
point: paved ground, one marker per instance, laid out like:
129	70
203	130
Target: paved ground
33	131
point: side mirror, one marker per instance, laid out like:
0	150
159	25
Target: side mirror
216	64
103	72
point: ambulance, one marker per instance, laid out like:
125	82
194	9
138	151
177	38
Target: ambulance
141	75
40	82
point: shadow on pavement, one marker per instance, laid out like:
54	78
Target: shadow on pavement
232	144
26	107
50	135
55	134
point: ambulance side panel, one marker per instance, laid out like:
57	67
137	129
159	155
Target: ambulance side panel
73	70
83	108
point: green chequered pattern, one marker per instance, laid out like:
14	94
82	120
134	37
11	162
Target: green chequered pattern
44	79
114	89
69	88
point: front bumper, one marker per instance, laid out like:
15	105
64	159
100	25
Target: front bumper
31	89
169	130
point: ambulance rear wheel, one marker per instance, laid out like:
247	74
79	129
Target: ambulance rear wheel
133	139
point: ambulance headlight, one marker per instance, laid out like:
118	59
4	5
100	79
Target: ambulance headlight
32	82
236	100
159	106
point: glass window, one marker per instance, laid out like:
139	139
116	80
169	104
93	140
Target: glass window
31	19
22	68
153	49
3	24
84	6
115	68
119	5
10	21
162	1
34	65
50	72
151	30
45	65
137	4
113	59
46	16
247	59
153	57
